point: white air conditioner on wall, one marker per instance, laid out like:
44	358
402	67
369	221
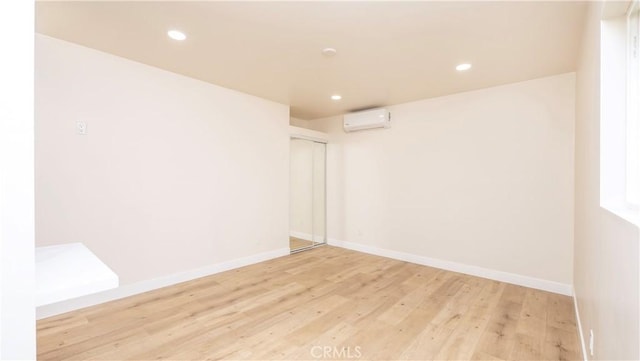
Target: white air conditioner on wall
367	119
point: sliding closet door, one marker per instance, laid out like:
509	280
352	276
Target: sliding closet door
307	207
319	193
301	194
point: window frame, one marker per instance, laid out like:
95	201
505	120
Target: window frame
619	125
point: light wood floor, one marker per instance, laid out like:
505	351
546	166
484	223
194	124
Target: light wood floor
297	243
327	303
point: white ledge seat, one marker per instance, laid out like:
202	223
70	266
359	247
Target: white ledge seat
68	271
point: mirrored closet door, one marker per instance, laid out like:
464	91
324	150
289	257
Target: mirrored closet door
307	210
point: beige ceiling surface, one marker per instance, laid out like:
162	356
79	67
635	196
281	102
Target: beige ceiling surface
388	52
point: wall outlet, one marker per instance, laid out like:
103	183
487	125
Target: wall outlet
591	342
81	127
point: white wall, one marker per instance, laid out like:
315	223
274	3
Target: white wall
300	123
174	174
482	179
17	313
606	246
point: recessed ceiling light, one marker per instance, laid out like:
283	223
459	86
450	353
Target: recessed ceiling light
176	35
336	97
463	67
329	51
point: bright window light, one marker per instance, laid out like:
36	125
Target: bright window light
620	114
633	108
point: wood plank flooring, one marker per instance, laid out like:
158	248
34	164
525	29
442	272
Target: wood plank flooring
326	303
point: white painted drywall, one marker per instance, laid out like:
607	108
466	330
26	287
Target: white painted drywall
483	178
606	253
17	310
300	123
173	175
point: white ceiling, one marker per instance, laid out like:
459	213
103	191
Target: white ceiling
388	52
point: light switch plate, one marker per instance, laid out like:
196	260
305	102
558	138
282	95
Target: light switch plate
81	127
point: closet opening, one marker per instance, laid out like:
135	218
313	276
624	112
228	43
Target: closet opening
307	193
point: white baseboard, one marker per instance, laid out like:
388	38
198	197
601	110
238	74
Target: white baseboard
152	284
582	343
537	283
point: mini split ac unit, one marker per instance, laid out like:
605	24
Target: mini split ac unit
367	119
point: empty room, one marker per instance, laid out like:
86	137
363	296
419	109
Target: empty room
320	180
